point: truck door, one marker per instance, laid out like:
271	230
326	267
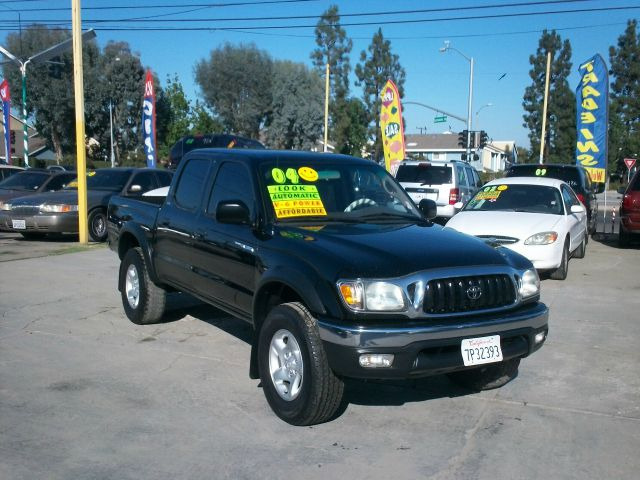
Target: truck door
176	223
224	254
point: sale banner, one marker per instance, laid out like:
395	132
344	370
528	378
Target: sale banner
149	120
5	96
391	126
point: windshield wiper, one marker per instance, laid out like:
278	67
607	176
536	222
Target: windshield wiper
390	216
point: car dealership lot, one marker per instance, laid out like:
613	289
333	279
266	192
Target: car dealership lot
86	394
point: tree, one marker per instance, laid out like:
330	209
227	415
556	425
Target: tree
202	121
624	111
376	67
355	128
297	108
333	49
178	121
561	107
236	84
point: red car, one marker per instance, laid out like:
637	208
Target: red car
630	210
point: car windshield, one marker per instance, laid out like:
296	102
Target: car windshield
25	181
424	173
517	198
103	179
567	175
336	192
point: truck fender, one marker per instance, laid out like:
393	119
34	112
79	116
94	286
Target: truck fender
132	235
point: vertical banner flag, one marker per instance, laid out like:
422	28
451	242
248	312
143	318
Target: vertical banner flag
149	121
6	116
391	126
592	117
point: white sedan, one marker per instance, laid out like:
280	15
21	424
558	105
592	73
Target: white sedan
540	218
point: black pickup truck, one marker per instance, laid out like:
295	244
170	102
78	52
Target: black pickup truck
336	269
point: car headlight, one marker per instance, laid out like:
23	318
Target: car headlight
5	206
58	208
372	296
542	238
529	284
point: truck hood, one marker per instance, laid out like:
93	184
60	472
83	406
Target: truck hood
384	251
520	225
70	197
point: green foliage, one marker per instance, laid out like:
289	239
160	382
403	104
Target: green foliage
202	121
354	128
561	109
176	115
297	108
624	110
378	64
236	84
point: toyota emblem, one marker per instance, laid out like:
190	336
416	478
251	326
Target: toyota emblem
474	292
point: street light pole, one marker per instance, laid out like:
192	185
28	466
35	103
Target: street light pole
447	46
113	157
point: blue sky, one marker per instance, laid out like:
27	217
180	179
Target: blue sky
499	46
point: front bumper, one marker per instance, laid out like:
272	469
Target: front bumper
543	257
42	223
429	349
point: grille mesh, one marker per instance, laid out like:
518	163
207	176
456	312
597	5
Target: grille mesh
455	295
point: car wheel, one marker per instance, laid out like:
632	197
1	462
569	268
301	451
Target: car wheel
143	301
32	235
298	383
561	272
623	237
98	225
488	377
582	249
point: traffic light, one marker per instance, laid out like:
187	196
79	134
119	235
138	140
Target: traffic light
463	156
472	140
484	138
462	138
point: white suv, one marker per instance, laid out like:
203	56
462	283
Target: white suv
446	183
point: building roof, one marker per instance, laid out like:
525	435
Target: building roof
433	141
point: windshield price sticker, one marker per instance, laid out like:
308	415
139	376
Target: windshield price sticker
541	172
478	351
296	200
490	193
307	174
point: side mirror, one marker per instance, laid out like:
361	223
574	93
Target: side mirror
600	188
621	190
458	205
428	208
577	209
234	212
135	189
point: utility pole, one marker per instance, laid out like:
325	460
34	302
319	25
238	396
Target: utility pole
113	157
544	109
326	108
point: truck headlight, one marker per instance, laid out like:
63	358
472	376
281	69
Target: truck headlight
374	296
529	284
5	206
58	208
542	238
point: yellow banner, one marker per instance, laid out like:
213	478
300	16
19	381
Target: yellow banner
391	126
597	175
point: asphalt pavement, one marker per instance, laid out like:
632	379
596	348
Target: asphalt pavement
85	394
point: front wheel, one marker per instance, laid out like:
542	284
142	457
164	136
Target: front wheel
582	249
298	383
143	301
560	273
487	377
98	225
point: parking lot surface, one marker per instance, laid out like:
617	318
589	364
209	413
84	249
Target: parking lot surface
84	393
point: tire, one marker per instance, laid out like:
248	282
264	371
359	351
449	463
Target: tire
143	301
487	377
33	235
98	225
623	237
309	392
561	272
582	248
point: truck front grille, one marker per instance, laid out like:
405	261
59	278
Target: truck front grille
468	294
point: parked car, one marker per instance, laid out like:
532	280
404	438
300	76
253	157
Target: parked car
574	175
336	270
57	212
212	140
7	170
28	182
540	218
629	210
446	183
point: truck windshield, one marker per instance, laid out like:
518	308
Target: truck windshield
517	198
346	192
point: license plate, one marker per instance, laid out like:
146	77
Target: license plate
19	224
477	351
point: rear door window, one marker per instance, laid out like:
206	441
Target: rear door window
192	180
425	174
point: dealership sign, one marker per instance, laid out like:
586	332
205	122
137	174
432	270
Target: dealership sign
592	117
149	121
391	126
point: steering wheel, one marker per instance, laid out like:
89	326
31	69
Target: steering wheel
361	202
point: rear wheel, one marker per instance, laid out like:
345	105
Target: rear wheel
297	381
98	225
143	301
32	235
623	237
561	272
485	378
